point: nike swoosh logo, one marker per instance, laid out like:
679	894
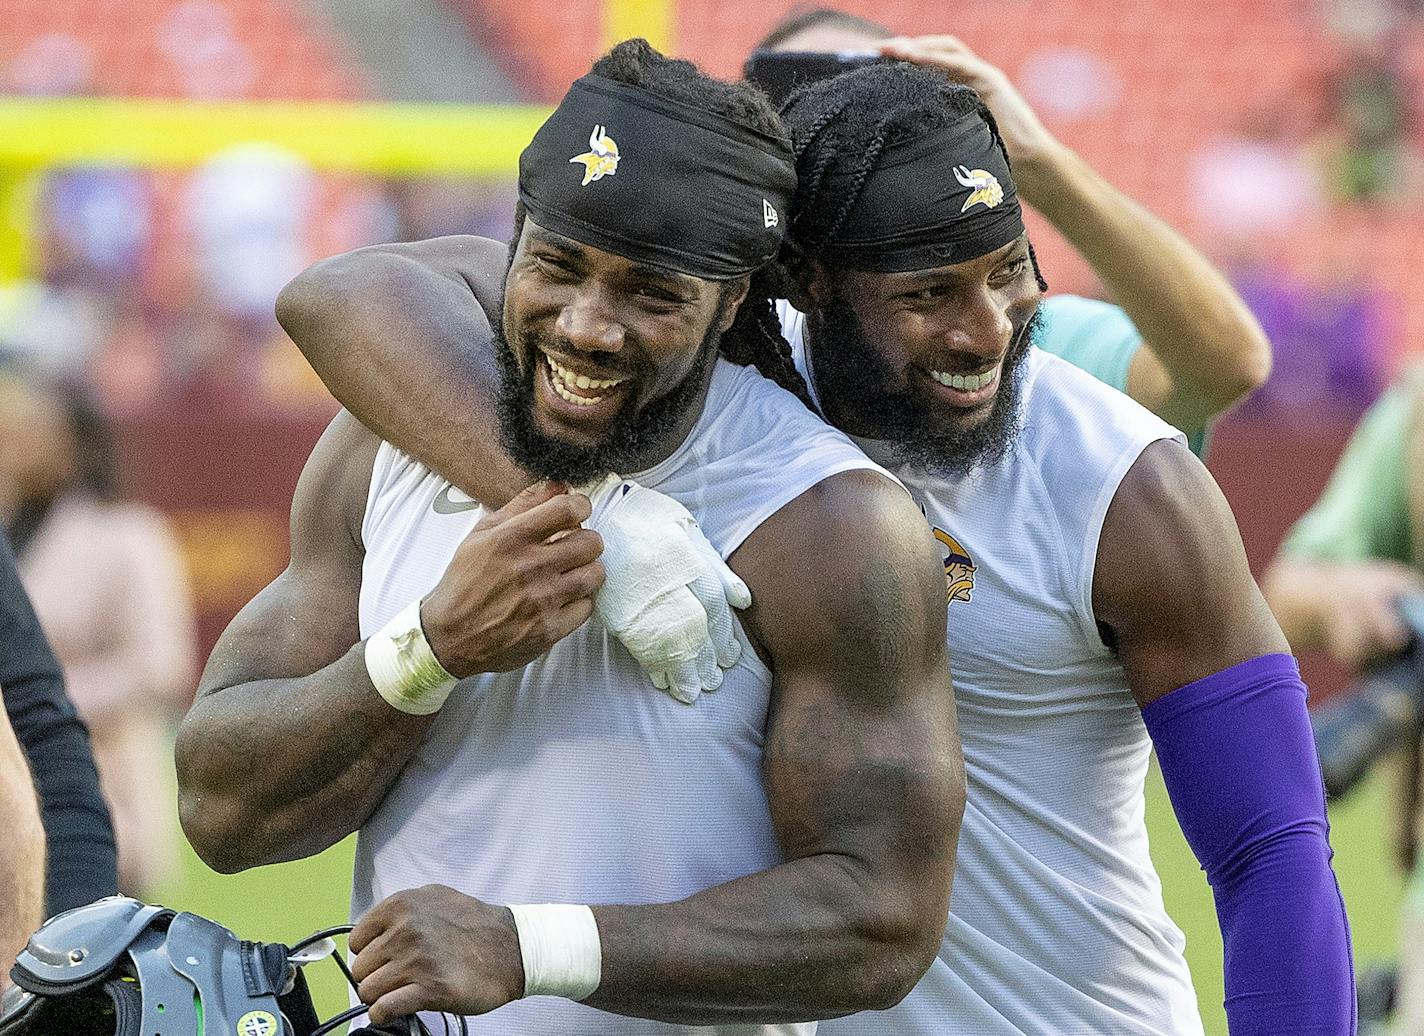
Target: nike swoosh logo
452	501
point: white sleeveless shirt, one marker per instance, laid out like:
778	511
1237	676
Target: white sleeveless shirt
1057	926
574	780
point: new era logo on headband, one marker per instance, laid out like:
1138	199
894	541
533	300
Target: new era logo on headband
768	214
601	159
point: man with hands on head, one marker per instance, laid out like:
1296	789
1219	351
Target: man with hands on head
1183	343
775	852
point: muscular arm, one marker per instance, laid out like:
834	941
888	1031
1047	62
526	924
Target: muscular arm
288	747
1202	348
400	334
1225	707
22	852
865	782
863	774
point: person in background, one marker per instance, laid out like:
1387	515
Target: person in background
1183	343
1336	585
108	584
22	852
80	837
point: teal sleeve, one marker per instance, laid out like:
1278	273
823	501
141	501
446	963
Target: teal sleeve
1364	511
1101	339
1094	336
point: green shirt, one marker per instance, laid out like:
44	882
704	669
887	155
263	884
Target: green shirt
1364	511
1101	339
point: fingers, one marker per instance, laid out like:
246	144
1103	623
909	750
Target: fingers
527	499
709	591
683	682
558	513
398	1003
573	550
580	584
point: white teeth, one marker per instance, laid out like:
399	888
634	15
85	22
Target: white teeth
576	400
966	382
564	379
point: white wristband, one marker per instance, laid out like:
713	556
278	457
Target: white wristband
404	668
561	949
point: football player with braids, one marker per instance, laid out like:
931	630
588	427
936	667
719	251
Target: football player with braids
1180	340
543	833
1105	546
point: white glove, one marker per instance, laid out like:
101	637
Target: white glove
668	595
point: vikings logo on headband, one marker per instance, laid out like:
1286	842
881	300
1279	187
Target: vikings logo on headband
680	188
601	158
941	198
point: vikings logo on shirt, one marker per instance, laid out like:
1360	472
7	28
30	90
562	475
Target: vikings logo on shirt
986	190
602	157
959	569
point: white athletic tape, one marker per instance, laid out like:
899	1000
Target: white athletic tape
404	668
562	953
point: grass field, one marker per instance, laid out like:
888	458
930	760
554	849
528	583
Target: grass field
291	900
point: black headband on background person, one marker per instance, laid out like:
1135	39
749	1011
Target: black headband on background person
941	198
658	181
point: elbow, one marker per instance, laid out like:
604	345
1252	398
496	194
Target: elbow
900	945
306	295
215	831
1249	369
216	823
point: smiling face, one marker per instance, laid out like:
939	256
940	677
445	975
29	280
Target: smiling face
926	359
605	361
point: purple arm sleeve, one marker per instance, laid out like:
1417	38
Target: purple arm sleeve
1240	767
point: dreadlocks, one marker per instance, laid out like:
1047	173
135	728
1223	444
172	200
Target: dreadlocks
846	123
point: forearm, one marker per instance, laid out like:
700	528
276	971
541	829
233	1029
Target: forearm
1196	325
404	348
806	940
1298	593
276	770
1239	763
22	852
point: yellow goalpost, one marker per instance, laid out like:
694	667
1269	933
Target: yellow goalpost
383	139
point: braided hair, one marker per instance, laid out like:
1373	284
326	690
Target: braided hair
846	123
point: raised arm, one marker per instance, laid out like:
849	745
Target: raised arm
289	746
1202	349
22	852
866	785
1225	707
400	334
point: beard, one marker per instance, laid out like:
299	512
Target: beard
851	379
634	437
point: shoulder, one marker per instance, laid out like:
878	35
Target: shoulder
849	565
330	499
1171	572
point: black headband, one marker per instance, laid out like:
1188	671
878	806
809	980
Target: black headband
658	181
942	198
